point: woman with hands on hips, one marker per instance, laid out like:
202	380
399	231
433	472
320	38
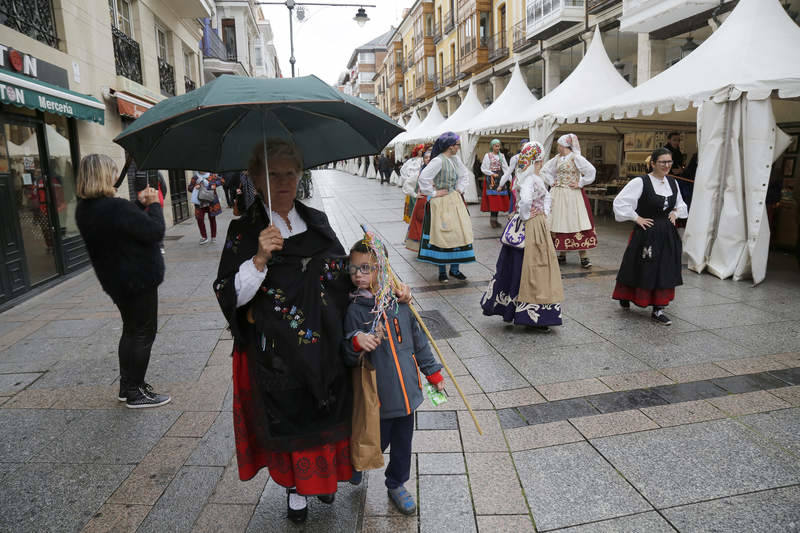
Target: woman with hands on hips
651	265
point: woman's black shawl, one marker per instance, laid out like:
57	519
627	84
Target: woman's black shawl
299	391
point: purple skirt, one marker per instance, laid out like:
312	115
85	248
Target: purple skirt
500	297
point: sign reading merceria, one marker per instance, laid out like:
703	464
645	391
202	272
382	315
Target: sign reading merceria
17	95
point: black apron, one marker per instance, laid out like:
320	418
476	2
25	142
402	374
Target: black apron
652	259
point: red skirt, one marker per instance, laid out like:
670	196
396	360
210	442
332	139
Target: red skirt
582	240
313	471
414	235
493	201
644	297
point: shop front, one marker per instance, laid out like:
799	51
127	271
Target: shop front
38	166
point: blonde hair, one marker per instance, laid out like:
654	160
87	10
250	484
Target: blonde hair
96	177
276	149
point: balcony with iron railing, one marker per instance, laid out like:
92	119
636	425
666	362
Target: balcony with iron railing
437	32
449	22
32	18
409	60
189	84
546	18
447	75
212	44
166	77
520	36
127	58
473	57
498	46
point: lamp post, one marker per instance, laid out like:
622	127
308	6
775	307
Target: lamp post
361	17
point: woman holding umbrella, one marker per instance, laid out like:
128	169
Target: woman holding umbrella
283	285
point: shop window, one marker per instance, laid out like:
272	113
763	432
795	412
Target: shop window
61	170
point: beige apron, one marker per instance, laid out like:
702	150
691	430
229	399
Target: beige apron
450	223
540	281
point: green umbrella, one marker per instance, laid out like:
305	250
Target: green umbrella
216	127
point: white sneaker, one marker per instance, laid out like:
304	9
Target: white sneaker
213	240
203	241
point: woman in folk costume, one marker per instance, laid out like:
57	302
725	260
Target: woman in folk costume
571	223
446	228
493	167
651	265
409	173
526	288
511	177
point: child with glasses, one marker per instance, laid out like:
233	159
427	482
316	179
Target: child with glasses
398	351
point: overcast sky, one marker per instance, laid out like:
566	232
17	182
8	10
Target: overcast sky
324	41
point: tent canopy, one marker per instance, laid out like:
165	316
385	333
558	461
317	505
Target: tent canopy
457	122
754	51
504	110
428	126
413	122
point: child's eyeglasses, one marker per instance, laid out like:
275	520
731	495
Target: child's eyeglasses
364	269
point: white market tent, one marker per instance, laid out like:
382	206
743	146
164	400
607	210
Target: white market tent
432	121
398	143
731	77
506	108
457	122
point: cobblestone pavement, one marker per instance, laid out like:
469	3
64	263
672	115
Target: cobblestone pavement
609	423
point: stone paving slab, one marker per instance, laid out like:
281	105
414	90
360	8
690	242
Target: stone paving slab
555	411
683	413
223	517
441	463
683	374
769	511
27	431
231	490
572	484
377	502
445	504
515	398
572	389
505	524
493	373
781	427
494	485
542	436
11	384
636	380
749	383
748	403
116	518
750	365
596	426
650	522
437	420
492	438
763	339
192	424
56	497
686	464
389	524
183	501
217	445
790	395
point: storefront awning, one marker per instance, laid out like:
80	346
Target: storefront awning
130	106
34	94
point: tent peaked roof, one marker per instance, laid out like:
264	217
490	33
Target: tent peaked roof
753	52
428	126
459	120
595	71
506	107
413	123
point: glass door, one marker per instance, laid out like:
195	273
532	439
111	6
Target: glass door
31	198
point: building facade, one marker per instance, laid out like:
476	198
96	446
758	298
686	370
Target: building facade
69	85
441	46
362	67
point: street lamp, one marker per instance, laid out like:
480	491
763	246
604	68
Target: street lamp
361	17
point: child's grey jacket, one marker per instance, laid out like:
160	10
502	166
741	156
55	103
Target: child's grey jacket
397	360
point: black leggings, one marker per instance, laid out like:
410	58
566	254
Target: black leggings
139	324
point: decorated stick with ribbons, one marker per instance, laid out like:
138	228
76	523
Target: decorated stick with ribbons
384	298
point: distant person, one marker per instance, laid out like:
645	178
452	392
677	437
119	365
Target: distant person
385	168
398	357
678	159
206	183
230	182
493	168
122	239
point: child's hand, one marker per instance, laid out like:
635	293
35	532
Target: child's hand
440	386
368	342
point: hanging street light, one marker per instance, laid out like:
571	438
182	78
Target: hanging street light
361	17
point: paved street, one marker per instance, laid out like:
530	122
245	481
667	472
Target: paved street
608	423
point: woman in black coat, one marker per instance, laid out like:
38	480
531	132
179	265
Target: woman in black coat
122	239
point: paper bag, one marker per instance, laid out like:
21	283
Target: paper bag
365	439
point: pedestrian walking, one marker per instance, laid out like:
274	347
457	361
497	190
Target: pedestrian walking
446	228
493	168
230	182
409	174
398	355
283	287
385	167
526	288
571	222
651	264
122	239
203	188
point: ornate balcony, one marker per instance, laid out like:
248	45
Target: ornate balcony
33	18
409	60
127	58
437	33
212	44
498	46
521	41
547	18
166	78
645	16
449	22
473	57
188	84
447	75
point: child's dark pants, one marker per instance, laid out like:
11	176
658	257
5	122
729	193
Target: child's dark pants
398	433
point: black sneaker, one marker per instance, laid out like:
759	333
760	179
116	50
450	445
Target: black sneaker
585	263
459	276
144	396
625	304
661	318
327	498
443	277
357	477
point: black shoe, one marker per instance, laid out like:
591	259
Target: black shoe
585	263
562	259
661	318
459	276
357	477
327	498
443	277
143	396
625	304
298	516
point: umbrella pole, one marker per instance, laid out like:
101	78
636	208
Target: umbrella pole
266	170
